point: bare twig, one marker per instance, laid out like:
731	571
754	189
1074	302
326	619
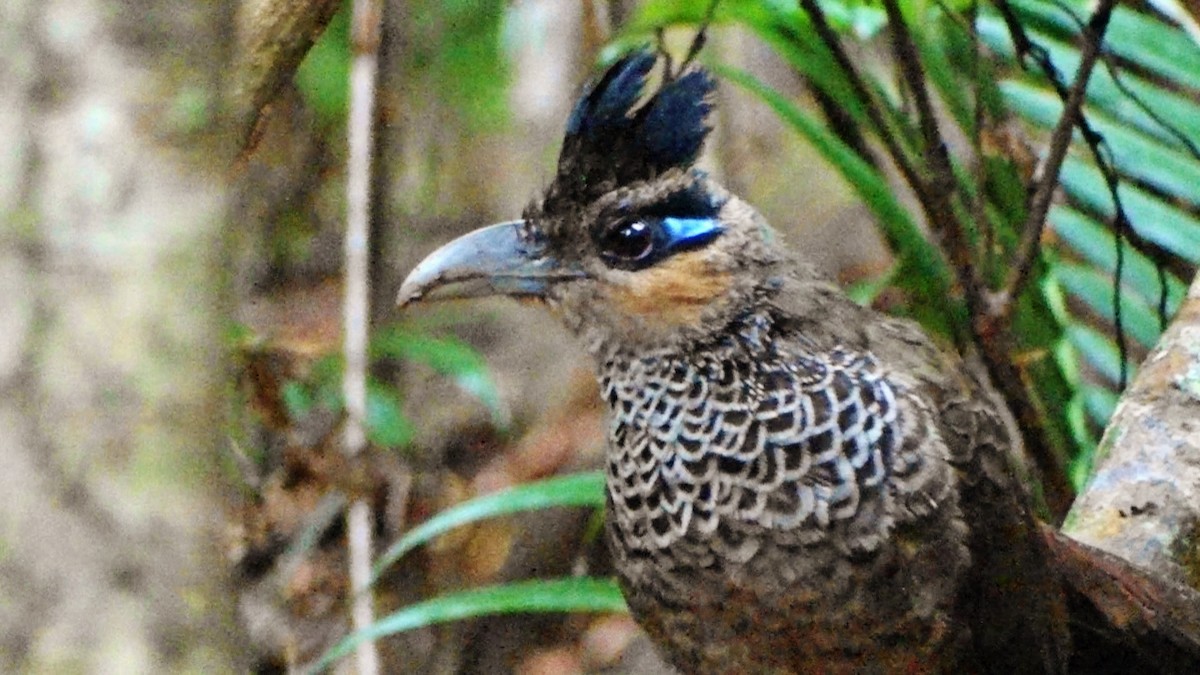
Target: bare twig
1146	248
833	44
365	27
701	37
941	184
936	191
992	323
987	234
1047	173
843	124
909	63
1027	49
670	72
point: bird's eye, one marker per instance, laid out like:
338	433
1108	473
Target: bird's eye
631	241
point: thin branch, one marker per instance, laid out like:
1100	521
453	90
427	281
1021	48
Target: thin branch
941	185
987	233
1148	110
1122	225
1119	317
993	322
909	62
670	72
833	44
1047	173
936	193
701	37
365	28
842	123
1146	248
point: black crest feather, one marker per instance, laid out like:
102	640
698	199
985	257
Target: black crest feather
611	140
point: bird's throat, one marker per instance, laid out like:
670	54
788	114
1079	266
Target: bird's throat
678	293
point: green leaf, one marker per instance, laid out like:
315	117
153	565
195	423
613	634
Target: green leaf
940	72
448	356
1103	91
1154	219
1133	153
1098	350
654	14
782	26
386	424
1100	404
1096	290
799	45
1080	466
539	595
581	489
1097	244
1145	41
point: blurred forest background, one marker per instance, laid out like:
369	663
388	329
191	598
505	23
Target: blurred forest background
173	198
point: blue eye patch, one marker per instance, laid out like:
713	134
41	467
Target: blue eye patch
641	242
680	234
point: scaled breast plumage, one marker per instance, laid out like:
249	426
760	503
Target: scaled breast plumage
742	440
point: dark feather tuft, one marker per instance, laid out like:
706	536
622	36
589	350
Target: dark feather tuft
604	108
612	141
676	120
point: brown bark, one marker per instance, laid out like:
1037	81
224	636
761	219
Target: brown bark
274	36
111	222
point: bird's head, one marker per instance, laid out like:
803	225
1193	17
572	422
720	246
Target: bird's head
630	243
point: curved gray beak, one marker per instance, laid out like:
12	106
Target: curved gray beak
490	261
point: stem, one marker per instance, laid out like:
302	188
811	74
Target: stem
862	91
941	184
1047	173
365	27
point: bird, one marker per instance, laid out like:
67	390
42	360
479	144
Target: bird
794	483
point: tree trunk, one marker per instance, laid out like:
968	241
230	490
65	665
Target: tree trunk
112	199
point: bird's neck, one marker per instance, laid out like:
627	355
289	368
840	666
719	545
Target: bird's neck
744	335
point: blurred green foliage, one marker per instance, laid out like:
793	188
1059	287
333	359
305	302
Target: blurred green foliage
324	75
459	43
579	489
454	45
579	594
387	426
